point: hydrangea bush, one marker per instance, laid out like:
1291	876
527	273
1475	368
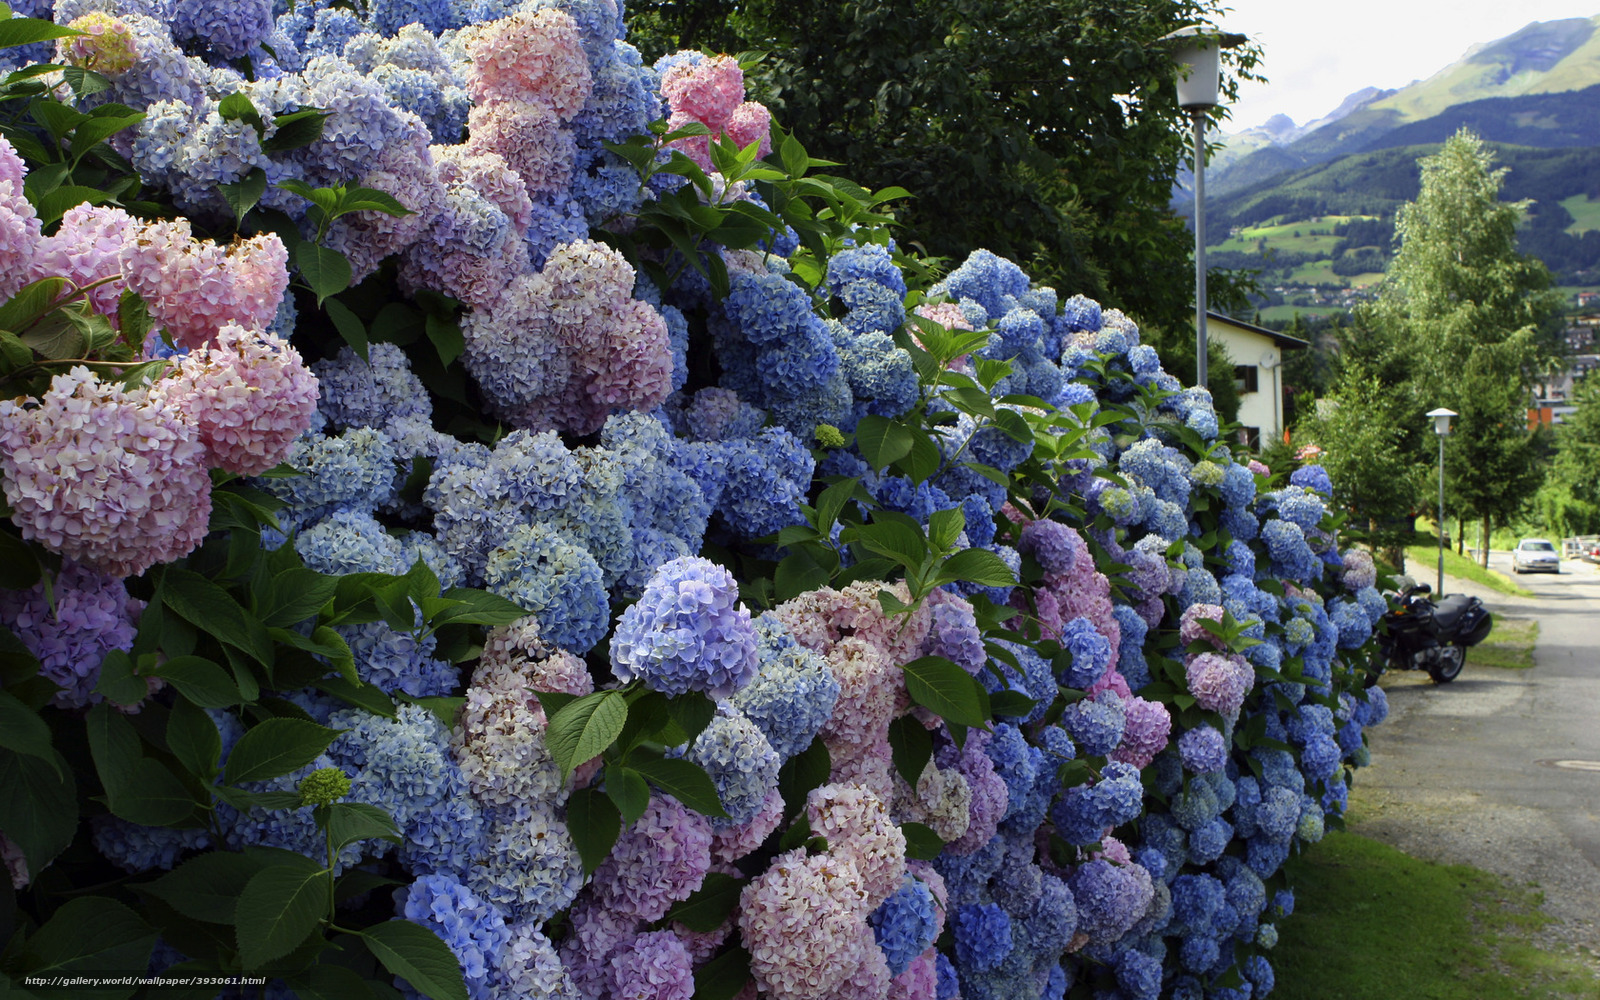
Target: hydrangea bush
485	517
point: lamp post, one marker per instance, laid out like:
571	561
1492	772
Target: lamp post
1198	53
1441	426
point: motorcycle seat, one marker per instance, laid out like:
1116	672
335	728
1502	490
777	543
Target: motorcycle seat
1450	610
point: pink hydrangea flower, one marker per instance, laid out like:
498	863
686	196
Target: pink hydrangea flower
732	843
803	921
1359	569
867	682
989	794
489	175
751	122
534	56
249	396
1190	629
16	864
919	981
107	46
86	248
112	478
708	90
857	826
19	223
1148	728
658	861
406	172
1219	683
654	965
529	136
195	286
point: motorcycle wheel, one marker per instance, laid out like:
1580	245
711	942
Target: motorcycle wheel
1448	667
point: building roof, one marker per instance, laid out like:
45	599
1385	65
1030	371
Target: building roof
1283	340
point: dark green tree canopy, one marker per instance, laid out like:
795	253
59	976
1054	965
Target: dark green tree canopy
1045	131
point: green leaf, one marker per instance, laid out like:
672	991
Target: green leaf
801	773
948	691
193	738
709	906
275	747
245	193
723	977
207	886
831	502
327	271
367	696
212	610
349	822
237	107
349	326
326	981
692	711
294	130
478	607
892	535
923	460
365	199
102	124
447	339
922	844
38	806
882	441
584	728
595	823
911	745
799	572
279	908
200	681
138	789
684	781
977	566
31	301
418	956
629	791
1010	704
55	204
16	31
945	527
22	730
295	594
55	338
88	935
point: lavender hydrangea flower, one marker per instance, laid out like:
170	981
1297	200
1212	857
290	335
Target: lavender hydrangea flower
687	632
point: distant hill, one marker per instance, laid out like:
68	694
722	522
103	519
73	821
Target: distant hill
1531	88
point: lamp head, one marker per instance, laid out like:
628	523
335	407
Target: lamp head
1441	420
1198	53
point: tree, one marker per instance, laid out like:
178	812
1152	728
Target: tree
1569	500
1046	131
1465	321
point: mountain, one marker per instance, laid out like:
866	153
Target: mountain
1548	60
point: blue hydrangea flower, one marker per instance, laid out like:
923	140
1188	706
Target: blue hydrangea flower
474	931
556	581
793	693
1091	653
1096	723
905	924
687	632
983	936
741	763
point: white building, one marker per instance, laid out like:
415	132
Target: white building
1257	357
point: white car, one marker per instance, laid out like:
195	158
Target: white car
1535	555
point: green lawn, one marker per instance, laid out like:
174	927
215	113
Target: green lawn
1281	235
1585	213
1422	562
1273	314
1372	923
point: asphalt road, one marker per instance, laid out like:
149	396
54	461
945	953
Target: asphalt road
1501	768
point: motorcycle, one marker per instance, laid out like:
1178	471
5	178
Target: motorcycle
1419	634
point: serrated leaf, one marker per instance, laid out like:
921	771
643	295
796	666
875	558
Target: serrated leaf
279	908
88	935
801	773
210	608
193	738
446	337
38	806
945	527
16	31
326	270
684	781
207	886
595	823
911	746
882	441
709	906
922	844
629	791
30	302
294	130
349	822
22	730
275	747
948	691
978	566
349	326
584	728
365	199
367	696
245	193
200	681
417	955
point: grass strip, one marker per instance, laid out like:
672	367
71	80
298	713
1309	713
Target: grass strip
1423	563
1509	646
1373	923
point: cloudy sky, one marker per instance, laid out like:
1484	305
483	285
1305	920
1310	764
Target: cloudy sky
1317	53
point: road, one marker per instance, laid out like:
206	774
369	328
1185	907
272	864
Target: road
1501	768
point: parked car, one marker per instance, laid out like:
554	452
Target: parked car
1535	555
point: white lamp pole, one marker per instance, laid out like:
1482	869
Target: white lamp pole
1441	426
1198	53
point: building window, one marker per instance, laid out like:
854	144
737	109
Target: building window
1245	378
1250	437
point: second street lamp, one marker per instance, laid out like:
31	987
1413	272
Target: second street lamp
1441	426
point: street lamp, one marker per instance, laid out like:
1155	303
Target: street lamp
1441	426
1198	53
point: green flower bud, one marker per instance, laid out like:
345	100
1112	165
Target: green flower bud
829	436
324	786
